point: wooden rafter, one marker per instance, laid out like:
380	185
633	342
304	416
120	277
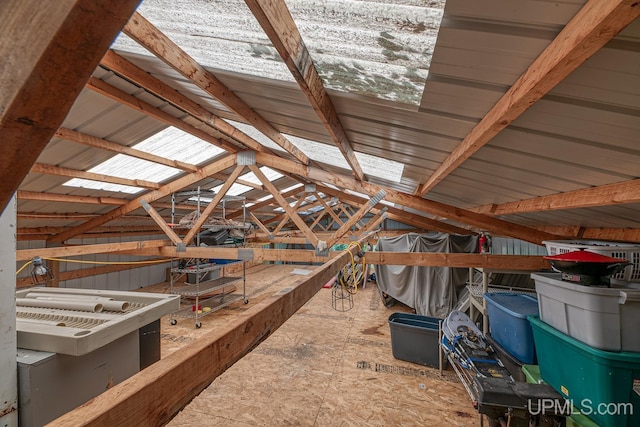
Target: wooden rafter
161	222
92	141
46	59
402	216
286	218
133	73
483	222
328	209
148	36
288	209
73	173
364	209
131	101
206	213
376	220
66	198
590	29
264	203
134	204
604	195
277	23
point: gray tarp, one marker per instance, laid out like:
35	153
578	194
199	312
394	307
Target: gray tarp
431	291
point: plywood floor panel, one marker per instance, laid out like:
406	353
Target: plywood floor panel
320	368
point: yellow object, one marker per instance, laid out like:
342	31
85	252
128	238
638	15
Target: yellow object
207	309
199	311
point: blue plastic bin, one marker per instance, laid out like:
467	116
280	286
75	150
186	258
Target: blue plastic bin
509	326
414	338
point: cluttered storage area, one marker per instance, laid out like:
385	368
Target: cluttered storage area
555	346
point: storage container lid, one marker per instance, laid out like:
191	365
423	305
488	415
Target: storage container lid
583	256
516	305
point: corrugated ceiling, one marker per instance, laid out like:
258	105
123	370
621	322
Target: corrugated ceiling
583	133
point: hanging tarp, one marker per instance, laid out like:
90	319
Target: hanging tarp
431	291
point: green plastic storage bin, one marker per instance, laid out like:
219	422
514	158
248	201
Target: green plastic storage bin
532	374
599	383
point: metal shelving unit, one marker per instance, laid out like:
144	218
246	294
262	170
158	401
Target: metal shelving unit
206	294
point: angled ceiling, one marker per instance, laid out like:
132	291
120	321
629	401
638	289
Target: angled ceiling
385	87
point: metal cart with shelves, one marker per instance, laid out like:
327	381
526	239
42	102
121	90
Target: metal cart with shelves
206	290
206	295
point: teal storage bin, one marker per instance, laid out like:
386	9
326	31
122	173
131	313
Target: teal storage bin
604	385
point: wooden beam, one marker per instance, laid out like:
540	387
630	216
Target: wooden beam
47	56
148	36
376	220
495	226
402	216
328	209
589	30
286	218
278	24
152	196
92	141
288	209
66	198
73	173
161	222
604	195
264	203
104	88
23	282
459	260
133	73
206	213
260	225
154	395
64	251
364	209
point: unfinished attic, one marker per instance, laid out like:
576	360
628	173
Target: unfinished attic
314	213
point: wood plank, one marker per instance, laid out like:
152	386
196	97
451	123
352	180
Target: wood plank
132	72
597	22
604	195
73	173
66	198
483	222
148	36
161	222
278	24
59	252
154	395
152	196
92	141
131	101
87	272
47	56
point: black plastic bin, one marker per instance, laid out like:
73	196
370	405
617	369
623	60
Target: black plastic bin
414	338
513	365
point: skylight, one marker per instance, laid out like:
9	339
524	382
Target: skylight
371	165
170	143
379	48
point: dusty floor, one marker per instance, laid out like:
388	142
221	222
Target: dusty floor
321	368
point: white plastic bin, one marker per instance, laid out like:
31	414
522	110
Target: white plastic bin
604	318
628	251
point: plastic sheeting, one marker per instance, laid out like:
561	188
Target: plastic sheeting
431	291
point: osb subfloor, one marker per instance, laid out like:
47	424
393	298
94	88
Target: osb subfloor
321	368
